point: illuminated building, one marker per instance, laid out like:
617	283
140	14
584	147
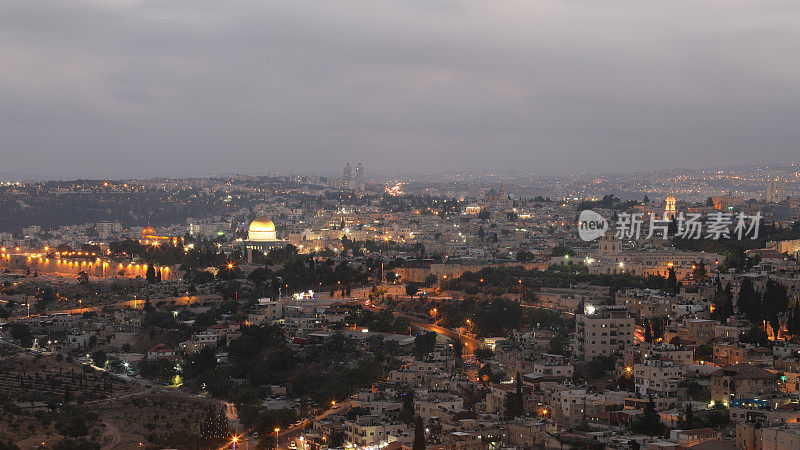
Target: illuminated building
150	237
347	177
603	332
775	191
262	237
671	209
359	178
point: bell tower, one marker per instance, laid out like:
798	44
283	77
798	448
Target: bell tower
671	210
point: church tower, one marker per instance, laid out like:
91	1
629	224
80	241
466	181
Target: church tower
671	210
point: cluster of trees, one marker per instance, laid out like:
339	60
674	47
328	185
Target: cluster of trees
499	280
203	254
722	301
382	321
609	201
734	249
486	317
769	305
301	272
262	357
649	422
653	329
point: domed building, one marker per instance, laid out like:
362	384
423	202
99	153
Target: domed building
150	237
262	237
261	229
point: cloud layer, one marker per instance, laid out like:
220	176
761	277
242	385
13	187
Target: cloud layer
130	88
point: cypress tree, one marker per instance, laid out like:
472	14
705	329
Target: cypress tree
793	324
728	301
419	435
749	301
775	302
689	416
672	282
648	332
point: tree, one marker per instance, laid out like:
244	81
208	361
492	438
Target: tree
722	301
419	435
672	282
407	410
689	422
649	422
425	343
728	306
412	288
562	250
458	351
749	301
150	274
524	256
793	324
646	199
22	333
699	272
775	303
515	401
431	280
755	335
648	332
559	344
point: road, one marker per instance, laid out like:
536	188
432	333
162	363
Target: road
292	434
470	343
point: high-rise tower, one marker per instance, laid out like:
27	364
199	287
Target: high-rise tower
347	176
359	181
775	191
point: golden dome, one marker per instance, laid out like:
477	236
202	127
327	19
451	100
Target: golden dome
262	230
262	224
148	231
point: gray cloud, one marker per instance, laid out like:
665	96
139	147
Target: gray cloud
130	88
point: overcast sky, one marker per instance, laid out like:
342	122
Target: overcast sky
124	88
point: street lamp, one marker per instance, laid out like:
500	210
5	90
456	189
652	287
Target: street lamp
235	439
276	436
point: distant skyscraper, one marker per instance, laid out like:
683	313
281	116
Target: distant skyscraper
359	178
347	176
775	192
